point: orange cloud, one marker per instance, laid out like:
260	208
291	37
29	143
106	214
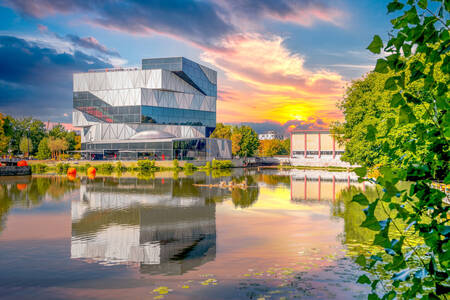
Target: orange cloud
266	81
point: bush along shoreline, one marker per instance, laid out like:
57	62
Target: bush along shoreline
141	166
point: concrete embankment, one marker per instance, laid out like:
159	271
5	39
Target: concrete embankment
15	171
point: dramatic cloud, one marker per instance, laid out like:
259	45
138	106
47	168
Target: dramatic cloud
301	12
284	129
37	80
266	81
91	43
200	22
196	21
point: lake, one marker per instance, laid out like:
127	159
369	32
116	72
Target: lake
290	234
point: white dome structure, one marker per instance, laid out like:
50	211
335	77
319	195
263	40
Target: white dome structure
152	134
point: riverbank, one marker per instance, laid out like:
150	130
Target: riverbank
146	166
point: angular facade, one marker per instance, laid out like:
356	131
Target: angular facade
172	97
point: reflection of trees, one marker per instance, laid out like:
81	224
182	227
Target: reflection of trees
360	240
353	214
273	179
245	197
5	205
29	192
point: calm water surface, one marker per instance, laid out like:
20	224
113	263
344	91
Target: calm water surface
284	237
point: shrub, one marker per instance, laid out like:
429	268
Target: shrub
64	156
221	164
105	168
146	165
61	168
189	166
38	168
119	166
77	156
175	163
208	165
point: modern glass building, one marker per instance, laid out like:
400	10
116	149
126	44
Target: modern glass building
164	110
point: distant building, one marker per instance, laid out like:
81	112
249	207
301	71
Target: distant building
315	148
164	110
270	135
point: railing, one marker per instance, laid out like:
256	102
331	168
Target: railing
114	70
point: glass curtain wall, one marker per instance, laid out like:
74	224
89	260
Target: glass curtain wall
177	116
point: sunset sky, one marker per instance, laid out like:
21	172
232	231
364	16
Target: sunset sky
280	63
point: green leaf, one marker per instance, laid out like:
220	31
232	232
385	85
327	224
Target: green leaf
406	115
376	45
389	296
406	49
394	5
361	260
446	65
371	223
411	99
390	123
447	178
390	84
360	171
416	75
361	199
364	279
373	296
423	4
397	100
381	66
371	133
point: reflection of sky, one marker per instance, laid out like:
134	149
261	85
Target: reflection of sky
44	208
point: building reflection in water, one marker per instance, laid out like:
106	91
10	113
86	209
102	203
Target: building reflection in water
321	186
164	226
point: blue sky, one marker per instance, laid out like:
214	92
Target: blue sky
279	62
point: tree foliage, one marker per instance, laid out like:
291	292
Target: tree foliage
4	139
26	146
244	140
222	132
57	146
274	147
13	132
407	129
43	149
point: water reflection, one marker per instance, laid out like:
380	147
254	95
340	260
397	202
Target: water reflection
321	186
165	226
254	242
29	192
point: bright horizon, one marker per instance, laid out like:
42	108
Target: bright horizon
280	64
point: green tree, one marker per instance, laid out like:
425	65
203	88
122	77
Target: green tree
4	139
34	129
43	149
222	132
26	146
272	147
415	119
246	139
58	131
